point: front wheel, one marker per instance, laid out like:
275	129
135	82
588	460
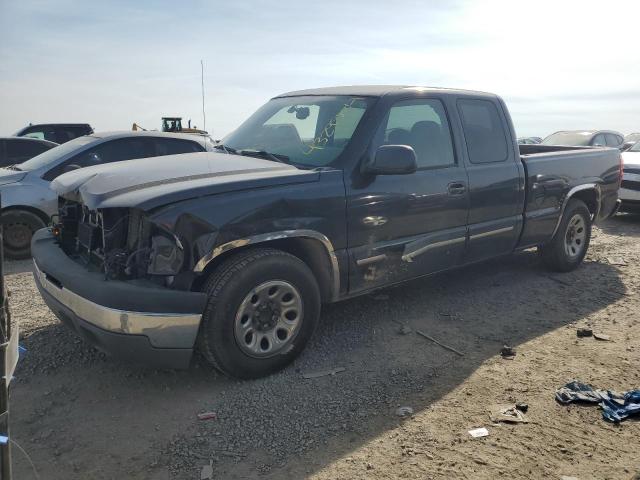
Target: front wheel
263	306
18	228
569	245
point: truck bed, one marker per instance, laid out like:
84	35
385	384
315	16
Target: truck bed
553	173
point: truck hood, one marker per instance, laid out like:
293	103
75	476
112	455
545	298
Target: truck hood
152	182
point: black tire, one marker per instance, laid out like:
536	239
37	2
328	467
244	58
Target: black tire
18	228
561	254
228	289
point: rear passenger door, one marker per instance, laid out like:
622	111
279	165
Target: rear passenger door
613	140
404	226
495	179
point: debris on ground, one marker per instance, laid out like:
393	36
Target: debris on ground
507	413
206	416
479	432
404	330
404	411
616	407
447	347
602	337
207	471
619	261
508	352
584	332
323	373
523	407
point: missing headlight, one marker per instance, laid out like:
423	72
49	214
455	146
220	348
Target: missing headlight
167	256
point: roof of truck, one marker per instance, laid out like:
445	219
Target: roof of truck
378	91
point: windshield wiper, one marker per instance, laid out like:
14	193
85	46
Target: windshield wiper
276	157
224	148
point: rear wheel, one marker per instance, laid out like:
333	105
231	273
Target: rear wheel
569	245
262	309
18	228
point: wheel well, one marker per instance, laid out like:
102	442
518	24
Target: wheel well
590	198
310	251
24	208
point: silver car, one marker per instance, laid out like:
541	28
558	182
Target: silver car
27	201
629	192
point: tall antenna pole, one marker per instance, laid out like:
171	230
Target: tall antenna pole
204	116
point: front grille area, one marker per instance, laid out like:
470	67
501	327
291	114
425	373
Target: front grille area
111	240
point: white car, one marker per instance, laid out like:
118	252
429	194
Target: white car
630	189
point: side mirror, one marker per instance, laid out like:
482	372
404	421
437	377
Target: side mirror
393	160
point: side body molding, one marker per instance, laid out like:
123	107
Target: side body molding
266	237
572	192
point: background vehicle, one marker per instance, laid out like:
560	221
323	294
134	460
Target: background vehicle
529	140
16	150
319	196
586	138
27	200
172	125
630	188
56	132
630	140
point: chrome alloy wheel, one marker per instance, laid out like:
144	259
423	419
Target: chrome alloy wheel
268	319
574	240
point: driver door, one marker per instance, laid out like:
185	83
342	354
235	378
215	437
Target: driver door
405	226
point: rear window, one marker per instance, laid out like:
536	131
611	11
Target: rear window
483	131
173	146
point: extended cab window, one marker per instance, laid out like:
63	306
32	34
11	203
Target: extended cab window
423	125
307	131
483	131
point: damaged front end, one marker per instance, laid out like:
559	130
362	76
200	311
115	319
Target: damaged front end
123	243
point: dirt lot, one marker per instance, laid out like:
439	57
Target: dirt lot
81	415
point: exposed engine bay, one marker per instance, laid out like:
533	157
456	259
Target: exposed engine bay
121	242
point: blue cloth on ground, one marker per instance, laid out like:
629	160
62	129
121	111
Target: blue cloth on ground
615	406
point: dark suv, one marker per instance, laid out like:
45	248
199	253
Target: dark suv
56	132
17	150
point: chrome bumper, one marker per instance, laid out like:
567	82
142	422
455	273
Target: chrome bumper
164	330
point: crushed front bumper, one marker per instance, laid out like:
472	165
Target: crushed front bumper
131	321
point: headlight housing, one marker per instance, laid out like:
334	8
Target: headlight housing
166	256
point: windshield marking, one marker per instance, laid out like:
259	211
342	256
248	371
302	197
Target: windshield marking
320	142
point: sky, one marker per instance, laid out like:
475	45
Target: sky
559	64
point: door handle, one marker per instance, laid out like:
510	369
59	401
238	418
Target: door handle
456	188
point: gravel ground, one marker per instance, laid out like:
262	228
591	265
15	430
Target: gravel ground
81	415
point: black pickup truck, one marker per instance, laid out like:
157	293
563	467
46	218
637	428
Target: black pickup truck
319	196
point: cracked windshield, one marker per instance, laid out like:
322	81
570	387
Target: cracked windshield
305	131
